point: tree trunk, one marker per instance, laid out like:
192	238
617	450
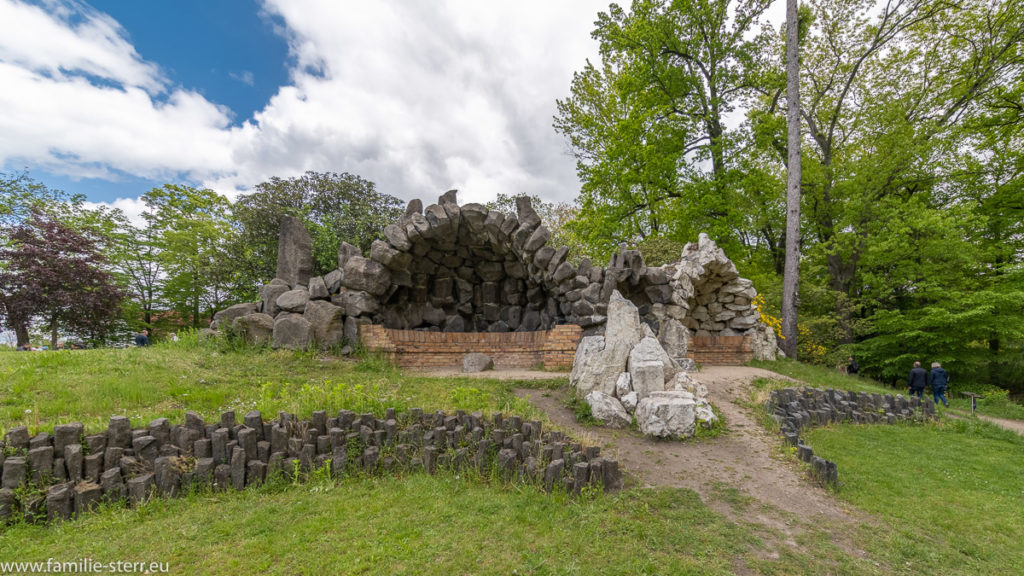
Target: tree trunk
791	277
53	334
21	334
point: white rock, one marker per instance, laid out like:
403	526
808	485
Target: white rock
648	376
674	338
629	402
597	365
704	414
588	347
650	350
683	381
764	342
623	324
607	409
667	414
647	331
624	385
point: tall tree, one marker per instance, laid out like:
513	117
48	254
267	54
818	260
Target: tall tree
136	259
192	230
56	273
648	126
791	283
20	197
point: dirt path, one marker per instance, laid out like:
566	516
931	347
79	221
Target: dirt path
505	374
735	473
1014	425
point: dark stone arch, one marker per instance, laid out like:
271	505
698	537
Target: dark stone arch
467	268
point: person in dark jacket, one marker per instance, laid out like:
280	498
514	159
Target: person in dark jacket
142	338
938	380
917	380
852	367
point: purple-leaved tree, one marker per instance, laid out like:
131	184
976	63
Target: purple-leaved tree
55	275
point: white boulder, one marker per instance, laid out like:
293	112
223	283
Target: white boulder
623	324
624	385
607	409
667	414
704	414
684	381
597	364
629	402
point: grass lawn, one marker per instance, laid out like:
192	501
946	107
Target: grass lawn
414	525
943	498
40	389
953	492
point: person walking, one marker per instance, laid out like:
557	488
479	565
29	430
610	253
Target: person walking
938	379
852	367
917	380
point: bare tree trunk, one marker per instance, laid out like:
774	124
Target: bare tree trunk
791	275
21	334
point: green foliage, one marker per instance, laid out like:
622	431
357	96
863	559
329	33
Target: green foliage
190	231
646	124
335	208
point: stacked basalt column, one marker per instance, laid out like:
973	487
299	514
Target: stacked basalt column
61	476
470	269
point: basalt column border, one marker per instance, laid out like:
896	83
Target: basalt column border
554	349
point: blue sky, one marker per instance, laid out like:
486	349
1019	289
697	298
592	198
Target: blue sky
227	50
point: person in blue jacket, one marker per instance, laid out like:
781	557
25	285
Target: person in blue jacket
917	380
938	380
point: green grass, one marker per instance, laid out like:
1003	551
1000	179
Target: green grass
414	525
998	407
41	389
821	377
942	498
953	492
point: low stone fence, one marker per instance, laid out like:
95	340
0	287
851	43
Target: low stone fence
554	348
795	409
63	475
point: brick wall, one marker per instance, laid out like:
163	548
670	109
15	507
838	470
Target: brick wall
554	348
721	350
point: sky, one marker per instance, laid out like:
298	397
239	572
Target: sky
111	98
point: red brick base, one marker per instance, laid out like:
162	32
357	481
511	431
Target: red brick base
720	350
416	349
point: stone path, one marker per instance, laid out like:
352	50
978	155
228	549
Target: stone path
739	473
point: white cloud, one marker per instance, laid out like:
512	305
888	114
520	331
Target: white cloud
418	97
245	77
132	208
55	42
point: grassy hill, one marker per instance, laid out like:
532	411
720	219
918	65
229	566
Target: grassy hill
938	498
